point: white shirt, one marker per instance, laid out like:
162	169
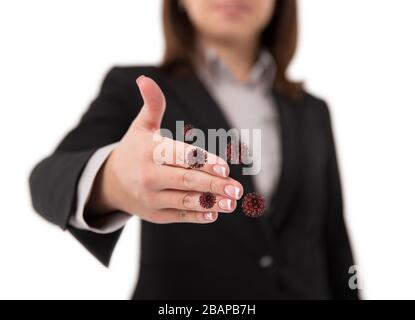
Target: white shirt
248	105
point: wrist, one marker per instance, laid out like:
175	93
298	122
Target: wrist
101	198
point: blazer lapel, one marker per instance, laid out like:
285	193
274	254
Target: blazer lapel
292	148
196	101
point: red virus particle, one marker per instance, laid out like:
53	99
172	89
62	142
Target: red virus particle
207	200
253	205
196	158
187	129
237	153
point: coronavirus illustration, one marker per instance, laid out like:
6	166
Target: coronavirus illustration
207	200
237	153
253	205
196	158
187	129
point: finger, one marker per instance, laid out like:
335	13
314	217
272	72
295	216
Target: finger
194	180
166	216
152	112
174	199
179	154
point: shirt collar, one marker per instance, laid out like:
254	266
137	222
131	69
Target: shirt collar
262	73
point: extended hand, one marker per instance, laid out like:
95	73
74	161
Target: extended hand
131	181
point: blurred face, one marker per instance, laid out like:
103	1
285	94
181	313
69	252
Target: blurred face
229	20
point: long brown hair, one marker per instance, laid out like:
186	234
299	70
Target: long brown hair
279	37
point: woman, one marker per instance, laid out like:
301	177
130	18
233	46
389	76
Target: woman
225	66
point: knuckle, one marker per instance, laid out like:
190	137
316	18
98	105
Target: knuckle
178	153
147	199
181	216
187	201
213	186
145	178
135	191
188	179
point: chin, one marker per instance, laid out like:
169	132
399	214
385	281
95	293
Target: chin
233	34
241	38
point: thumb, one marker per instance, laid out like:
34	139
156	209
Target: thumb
152	112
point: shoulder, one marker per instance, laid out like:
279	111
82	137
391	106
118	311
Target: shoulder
310	108
315	106
314	102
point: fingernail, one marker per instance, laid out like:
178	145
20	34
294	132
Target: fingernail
139	79
225	204
209	216
233	191
220	170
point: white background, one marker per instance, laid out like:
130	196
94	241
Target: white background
357	54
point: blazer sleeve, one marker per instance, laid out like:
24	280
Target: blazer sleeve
339	251
53	182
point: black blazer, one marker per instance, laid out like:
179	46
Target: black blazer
298	250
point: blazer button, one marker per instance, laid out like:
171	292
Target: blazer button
266	262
